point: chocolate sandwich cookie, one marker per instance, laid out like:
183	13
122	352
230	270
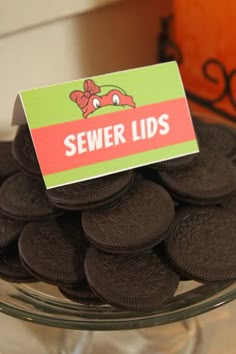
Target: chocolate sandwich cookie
202	244
134	224
8	165
220	138
200	126
230	204
54	251
24	198
91	193
82	294
216	137
211	179
9	232
232	154
24	152
141	283
173	164
12	270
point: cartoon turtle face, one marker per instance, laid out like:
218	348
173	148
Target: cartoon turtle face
89	100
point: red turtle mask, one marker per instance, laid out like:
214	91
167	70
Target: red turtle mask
89	100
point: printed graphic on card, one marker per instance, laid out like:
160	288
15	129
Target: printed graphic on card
106	124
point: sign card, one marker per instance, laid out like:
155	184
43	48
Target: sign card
100	125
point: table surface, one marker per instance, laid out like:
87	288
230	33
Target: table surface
17	337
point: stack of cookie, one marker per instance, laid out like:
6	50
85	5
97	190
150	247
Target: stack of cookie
126	239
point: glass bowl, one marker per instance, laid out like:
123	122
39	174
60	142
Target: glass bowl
43	304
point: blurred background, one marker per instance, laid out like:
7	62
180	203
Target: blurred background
47	42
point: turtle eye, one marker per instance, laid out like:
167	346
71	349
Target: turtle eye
96	103
116	100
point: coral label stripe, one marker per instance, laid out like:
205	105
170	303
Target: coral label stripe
118	134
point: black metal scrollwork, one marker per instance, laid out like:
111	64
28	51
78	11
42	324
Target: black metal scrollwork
169	50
